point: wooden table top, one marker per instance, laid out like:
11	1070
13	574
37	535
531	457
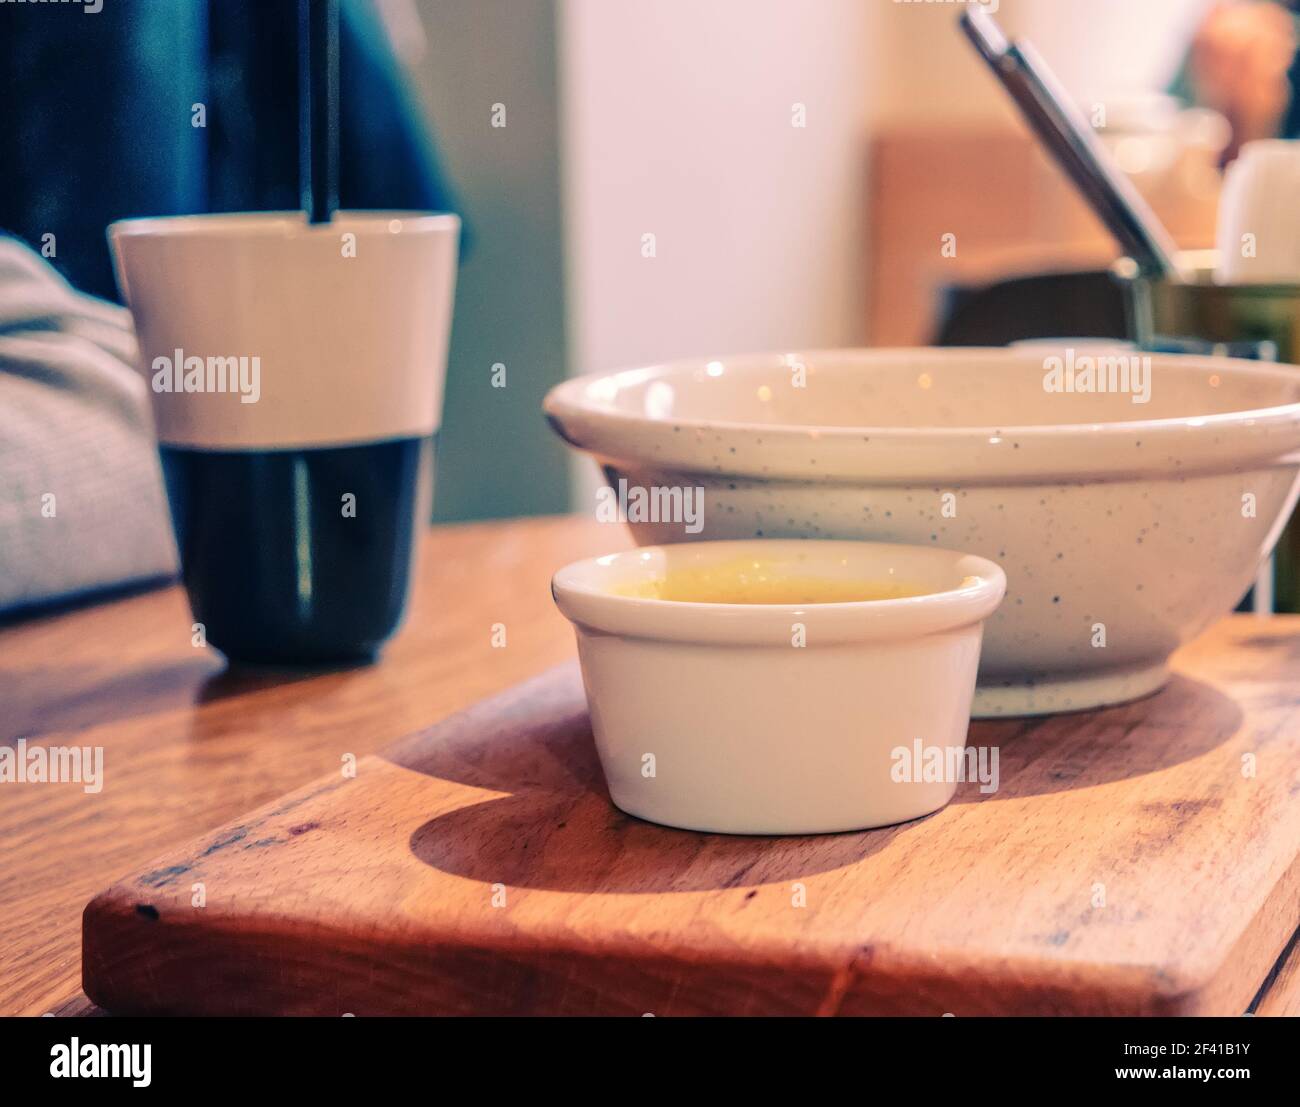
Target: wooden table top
189	747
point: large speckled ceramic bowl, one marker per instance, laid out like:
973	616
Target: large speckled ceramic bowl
1126	521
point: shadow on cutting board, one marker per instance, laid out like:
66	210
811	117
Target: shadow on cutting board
557	829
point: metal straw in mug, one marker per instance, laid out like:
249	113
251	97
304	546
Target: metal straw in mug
318	108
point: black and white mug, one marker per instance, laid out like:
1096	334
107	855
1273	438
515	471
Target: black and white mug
296	373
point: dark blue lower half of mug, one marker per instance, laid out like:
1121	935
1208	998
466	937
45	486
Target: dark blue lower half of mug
299	557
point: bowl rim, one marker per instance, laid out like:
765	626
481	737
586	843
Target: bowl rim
979	587
1174	447
569	396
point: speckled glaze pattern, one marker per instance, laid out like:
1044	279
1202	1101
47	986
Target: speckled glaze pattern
1080	559
1121	538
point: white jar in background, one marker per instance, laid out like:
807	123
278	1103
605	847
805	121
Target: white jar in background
1258	235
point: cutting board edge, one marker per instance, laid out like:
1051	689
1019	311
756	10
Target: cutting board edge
859	980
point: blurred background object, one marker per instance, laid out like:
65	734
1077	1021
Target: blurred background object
953	158
1238	65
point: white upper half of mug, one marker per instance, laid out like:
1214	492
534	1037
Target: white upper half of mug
261	331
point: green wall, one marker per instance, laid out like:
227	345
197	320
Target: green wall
496	455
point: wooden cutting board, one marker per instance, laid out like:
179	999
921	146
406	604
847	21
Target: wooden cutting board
1141	859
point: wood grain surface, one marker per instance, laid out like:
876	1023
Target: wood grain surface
1143	859
189	745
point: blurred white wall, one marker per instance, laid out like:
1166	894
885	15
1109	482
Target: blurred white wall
1104	47
677	122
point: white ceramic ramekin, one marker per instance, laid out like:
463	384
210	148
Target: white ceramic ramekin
777	718
1127	520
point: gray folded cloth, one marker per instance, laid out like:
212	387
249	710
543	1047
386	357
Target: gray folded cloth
82	505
